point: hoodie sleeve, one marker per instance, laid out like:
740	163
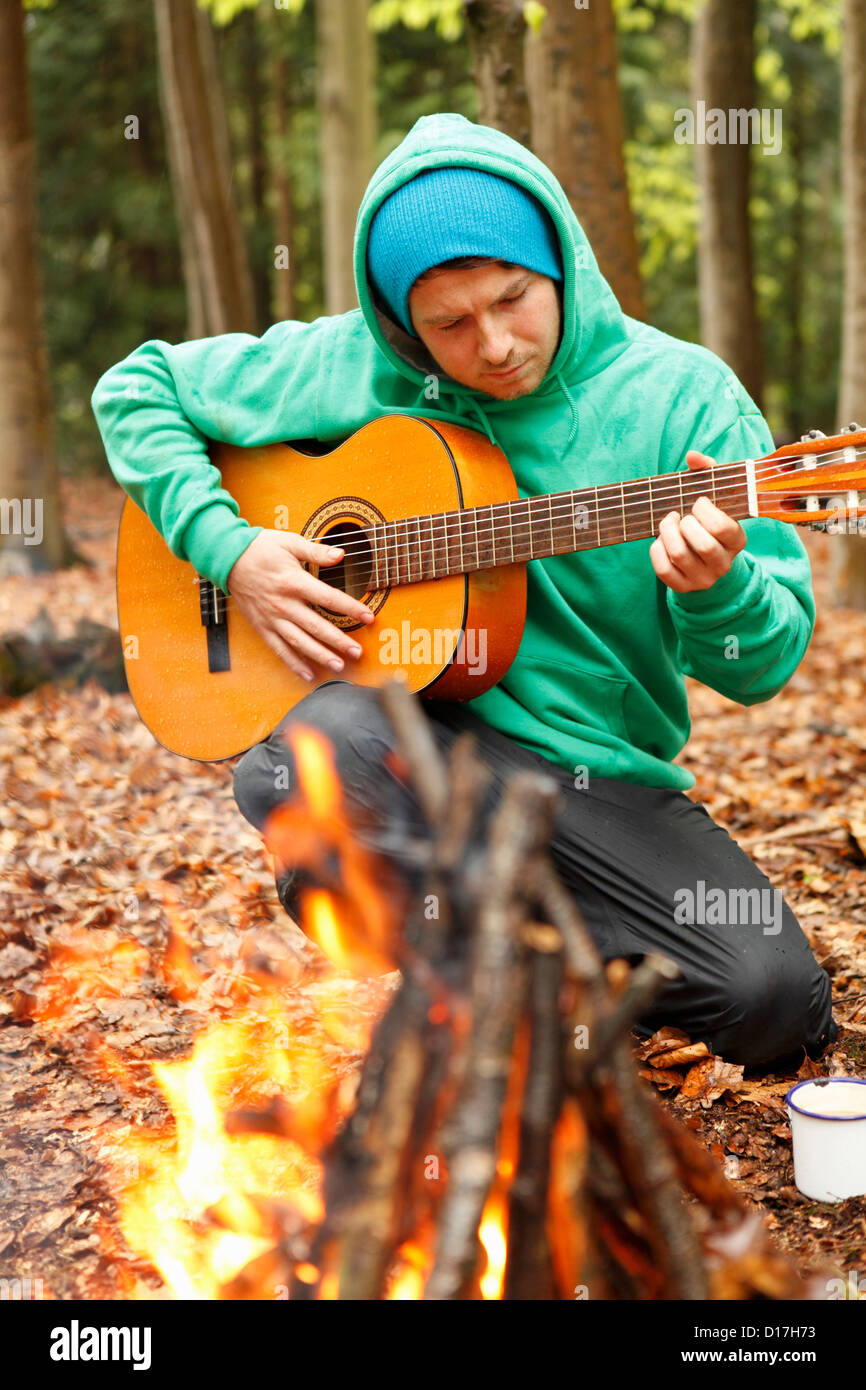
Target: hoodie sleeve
747	634
157	408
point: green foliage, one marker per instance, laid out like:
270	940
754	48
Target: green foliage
638	16
109	240
795	208
110	260
814	19
445	15
222	12
533	13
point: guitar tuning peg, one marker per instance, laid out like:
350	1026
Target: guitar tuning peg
812	434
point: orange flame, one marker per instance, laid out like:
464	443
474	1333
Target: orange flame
493	1227
412	1266
355	926
200	1171
235	1166
83	967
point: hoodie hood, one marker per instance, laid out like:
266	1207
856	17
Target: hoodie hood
594	328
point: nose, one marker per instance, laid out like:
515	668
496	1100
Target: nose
494	343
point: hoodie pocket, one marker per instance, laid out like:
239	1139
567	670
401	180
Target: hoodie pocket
563	694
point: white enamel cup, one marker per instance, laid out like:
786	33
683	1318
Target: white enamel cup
828	1127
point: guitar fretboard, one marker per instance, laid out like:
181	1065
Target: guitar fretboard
476	538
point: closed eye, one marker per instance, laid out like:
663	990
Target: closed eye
446	327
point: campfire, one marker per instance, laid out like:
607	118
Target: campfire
477	1130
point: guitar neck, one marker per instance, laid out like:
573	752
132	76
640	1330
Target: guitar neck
556	523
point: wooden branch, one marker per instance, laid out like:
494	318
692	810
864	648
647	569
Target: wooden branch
652	1172
418	748
372	1174
522	823
654	1181
529	1274
609	1028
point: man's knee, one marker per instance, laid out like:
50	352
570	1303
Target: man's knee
333	709
349	716
774	1006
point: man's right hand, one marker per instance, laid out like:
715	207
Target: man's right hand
275	593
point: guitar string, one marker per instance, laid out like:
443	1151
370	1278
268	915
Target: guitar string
392	581
504	525
615	506
562	509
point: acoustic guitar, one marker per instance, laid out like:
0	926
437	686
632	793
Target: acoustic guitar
436	539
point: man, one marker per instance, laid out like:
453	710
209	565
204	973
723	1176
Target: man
481	302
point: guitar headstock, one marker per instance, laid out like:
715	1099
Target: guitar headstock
820	482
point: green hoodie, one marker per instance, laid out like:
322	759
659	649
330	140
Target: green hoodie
598	681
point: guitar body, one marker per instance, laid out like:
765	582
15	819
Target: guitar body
212	693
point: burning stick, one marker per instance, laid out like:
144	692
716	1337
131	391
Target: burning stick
644	1153
529	1273
554	1159
369	1172
522	824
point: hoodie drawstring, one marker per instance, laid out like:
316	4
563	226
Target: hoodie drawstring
573	404
483	418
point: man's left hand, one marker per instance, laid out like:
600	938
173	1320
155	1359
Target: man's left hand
693	551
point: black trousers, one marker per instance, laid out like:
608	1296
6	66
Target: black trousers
649	869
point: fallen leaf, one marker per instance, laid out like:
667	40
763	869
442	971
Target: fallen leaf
709	1079
679	1056
665	1038
661	1078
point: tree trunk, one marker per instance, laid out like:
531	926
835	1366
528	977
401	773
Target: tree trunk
347	97
849	552
31	526
218	282
281	76
796	425
497	30
577	129
723	78
255	145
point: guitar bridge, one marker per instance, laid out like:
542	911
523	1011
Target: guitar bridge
214	618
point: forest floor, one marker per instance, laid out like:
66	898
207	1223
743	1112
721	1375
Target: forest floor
103	834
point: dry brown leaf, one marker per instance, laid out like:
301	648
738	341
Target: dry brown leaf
764	1093
709	1079
856	823
664	1080
664	1039
679	1056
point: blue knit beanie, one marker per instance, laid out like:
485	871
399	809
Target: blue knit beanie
450	212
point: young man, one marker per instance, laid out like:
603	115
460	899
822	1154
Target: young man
481	303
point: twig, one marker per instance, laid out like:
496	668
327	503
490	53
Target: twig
653	1179
653	1176
643	986
418	748
521	824
529	1273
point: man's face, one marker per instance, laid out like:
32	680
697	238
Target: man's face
488	320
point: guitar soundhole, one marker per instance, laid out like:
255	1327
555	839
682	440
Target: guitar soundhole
354	573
